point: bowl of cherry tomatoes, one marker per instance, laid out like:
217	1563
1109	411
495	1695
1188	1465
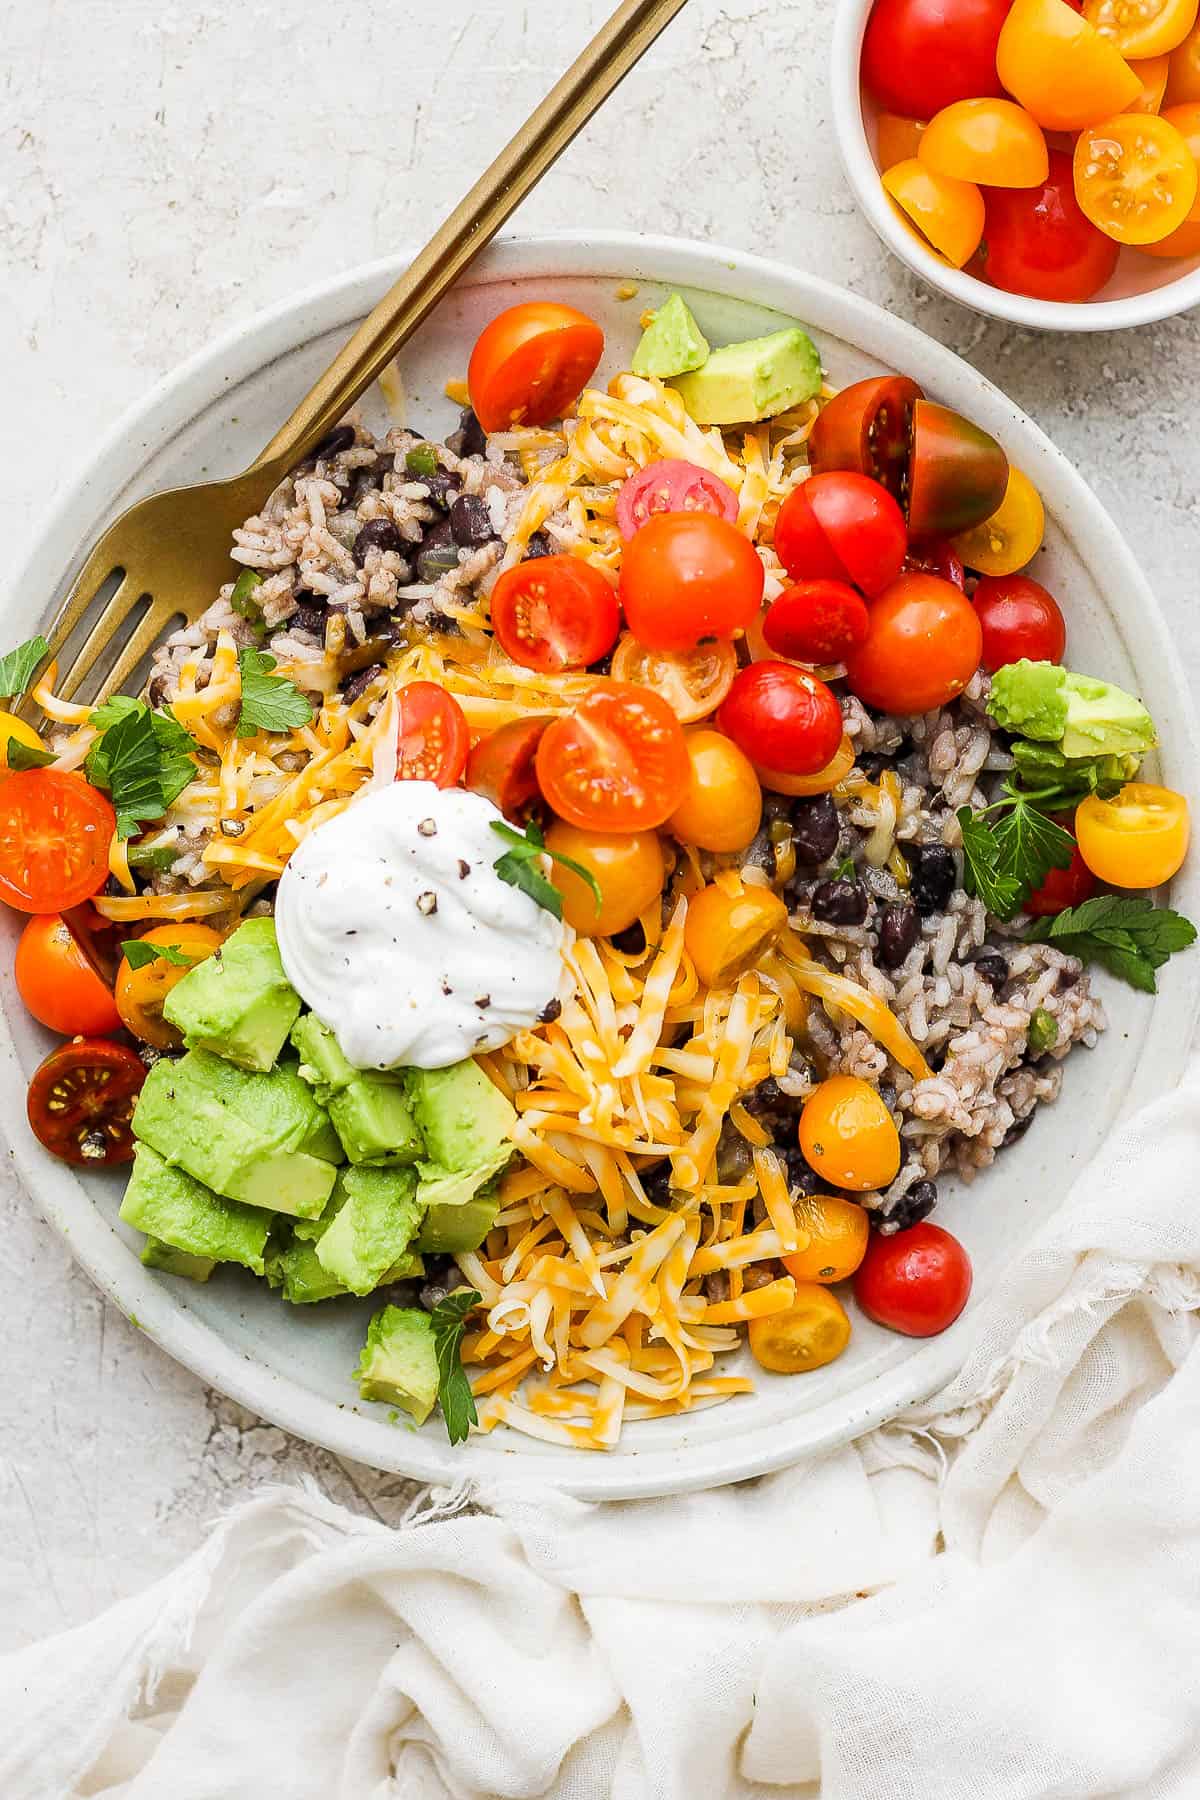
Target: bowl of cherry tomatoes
1038	160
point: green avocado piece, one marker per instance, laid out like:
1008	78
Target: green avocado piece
160	1255
377	1217
1028	697
464	1118
741	383
322	1063
237	1002
399	1361
368	1107
672	343
169	1205
1081	714
448	1229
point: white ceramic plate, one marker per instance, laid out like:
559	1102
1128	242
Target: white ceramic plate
293	1366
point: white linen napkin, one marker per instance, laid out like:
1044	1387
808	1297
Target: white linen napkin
996	1597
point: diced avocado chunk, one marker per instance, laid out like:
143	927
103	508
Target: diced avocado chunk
369	1108
464	1118
296	1268
159	1255
1081	714
399	1362
170	1205
322	1063
449	1230
237	1002
376	1221
741	383
672	343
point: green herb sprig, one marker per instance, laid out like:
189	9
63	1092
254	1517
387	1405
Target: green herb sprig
1130	937
449	1321
139	954
18	667
521	867
269	702
142	758
28	756
1009	848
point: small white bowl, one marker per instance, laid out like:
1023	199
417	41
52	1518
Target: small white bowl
1141	290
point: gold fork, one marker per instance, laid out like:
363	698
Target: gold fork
171	552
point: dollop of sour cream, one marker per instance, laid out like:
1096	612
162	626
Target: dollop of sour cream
396	930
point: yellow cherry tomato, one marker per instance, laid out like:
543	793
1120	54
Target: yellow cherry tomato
1135	178
813	1331
728	929
1186	120
822	781
838	1232
946	214
1142	27
1138	839
848	1135
1059	67
722	808
994	142
1183	70
692	682
139	993
1012	536
628	866
1152	73
1183	241
12	727
896	139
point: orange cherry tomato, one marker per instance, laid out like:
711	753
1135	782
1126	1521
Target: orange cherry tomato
1060	68
947	215
924	645
838	1230
530	363
726	932
55	832
1141	28
688	577
1012	536
848	1135
503	765
813	1331
628	867
692	682
140	992
432	739
994	142
1152	72
57	982
776	781
722	808
1183	70
1135	177
1138	839
618	762
1184	241
897	139
81	1101
1186	120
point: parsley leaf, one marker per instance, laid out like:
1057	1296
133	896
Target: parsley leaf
269	702
142	758
449	1321
139	954
27	756
521	868
17	667
982	874
1130	937
1007	857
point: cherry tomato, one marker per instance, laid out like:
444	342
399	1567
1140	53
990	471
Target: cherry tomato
1152	72
1183	241
11	727
57	982
672	486
1018	617
816	622
1135	177
1013	534
848	1135
1183	70
140	992
1062	888
1040	243
502	766
916	1282
957	475
1140	28
617	763
555	612
838	1230
81	1100
813	1331
920	55
867	429
946	214
1138	839
628	866
937	556
841	527
55	832
993	142
896	139
688	577
692	682
725	933
432	739
923	647
1060	68
822	781
722	808
1186	120
782	717
530	363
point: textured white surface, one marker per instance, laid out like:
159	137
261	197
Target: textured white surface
165	173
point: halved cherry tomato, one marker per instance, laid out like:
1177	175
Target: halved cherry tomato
1138	839
1152	72
1183	241
816	622
726	932
993	142
946	214
688	577
722	808
692	682
1135	177
432	739
81	1100
617	763
502	765
822	781
1011	536
1140	28
867	429
628	866
1062	887
916	1282
1060	68
1183	70
919	55
55	832
936	556
140	992
848	1135
1018	618
922	649
530	363
57	982
838	1230
11	727
782	717
1039	241
672	486
1186	120
896	139
813	1331
555	612
841	527
957	476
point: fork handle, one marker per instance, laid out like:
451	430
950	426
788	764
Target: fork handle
564	112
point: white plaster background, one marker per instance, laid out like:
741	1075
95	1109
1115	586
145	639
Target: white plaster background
168	170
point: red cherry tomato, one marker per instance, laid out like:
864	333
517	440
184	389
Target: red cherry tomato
1039	242
81	1100
782	718
1062	887
432	739
672	486
503	765
619	762
55	832
57	982
922	647
916	1282
555	612
530	363
841	527
1018	618
867	429
687	578
921	55
957	476
937	556
816	622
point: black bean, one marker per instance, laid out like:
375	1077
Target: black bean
309	616
358	684
438	551
873	763
539	545
443	486
362	482
898	927
815	829
802	1179
775	1111
1017	1130
993	967
474	437
912	1207
631	941
471	522
376	534
840	903
400	1293
602	667
933	876
340	438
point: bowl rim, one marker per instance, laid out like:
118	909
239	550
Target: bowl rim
862	172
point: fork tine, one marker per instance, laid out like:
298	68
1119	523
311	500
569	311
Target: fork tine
158	615
118	608
100	565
